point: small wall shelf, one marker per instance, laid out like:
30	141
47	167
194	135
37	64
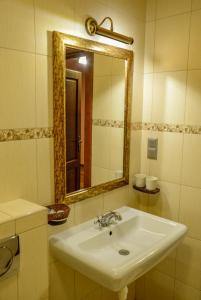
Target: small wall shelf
144	190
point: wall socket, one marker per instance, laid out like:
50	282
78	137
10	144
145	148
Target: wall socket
152	148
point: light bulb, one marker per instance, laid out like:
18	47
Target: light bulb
83	60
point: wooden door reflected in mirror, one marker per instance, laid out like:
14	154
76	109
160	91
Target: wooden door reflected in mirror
79	98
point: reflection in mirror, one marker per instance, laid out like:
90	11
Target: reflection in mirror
95	104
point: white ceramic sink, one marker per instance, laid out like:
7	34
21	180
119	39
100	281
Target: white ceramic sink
95	253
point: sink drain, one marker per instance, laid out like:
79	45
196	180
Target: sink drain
124	252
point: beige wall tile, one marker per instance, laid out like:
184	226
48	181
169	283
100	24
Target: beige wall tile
151	10
191	171
188	263
102	94
169	92
137	105
196	4
62	282
109	295
167	266
116	148
195	41
7	228
20	208
84	287
118	66
158	286
113	174
27	215
149	47
17	77
8	289
45	171
140	288
88	209
100	175
115	199
171	45
117	100
138	33
33	221
17	25
18	162
52	15
33	262
100	151
172	7
131	291
139	7
185	292
100	61
193	103
169	154
44	91
4	217
97	294
166	203
144	162
190	210
135	154
147	97
138	200
109	88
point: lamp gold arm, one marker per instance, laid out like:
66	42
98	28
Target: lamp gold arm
93	28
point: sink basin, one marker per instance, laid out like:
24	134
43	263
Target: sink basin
117	255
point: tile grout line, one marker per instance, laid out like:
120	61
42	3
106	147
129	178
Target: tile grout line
183	137
174	71
35	141
174	15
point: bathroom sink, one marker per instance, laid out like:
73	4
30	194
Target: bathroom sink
117	255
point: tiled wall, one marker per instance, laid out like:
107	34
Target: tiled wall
26	102
26	83
28	221
172	95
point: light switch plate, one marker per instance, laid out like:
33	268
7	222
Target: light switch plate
152	148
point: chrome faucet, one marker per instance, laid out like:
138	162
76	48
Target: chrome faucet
108	218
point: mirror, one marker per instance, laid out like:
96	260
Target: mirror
92	93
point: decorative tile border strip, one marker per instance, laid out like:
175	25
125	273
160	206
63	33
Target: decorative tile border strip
163	127
108	123
136	126
7	135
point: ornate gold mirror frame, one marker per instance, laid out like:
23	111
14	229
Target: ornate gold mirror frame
60	42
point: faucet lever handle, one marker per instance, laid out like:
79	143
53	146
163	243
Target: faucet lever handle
98	220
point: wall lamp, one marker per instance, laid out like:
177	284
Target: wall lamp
92	28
